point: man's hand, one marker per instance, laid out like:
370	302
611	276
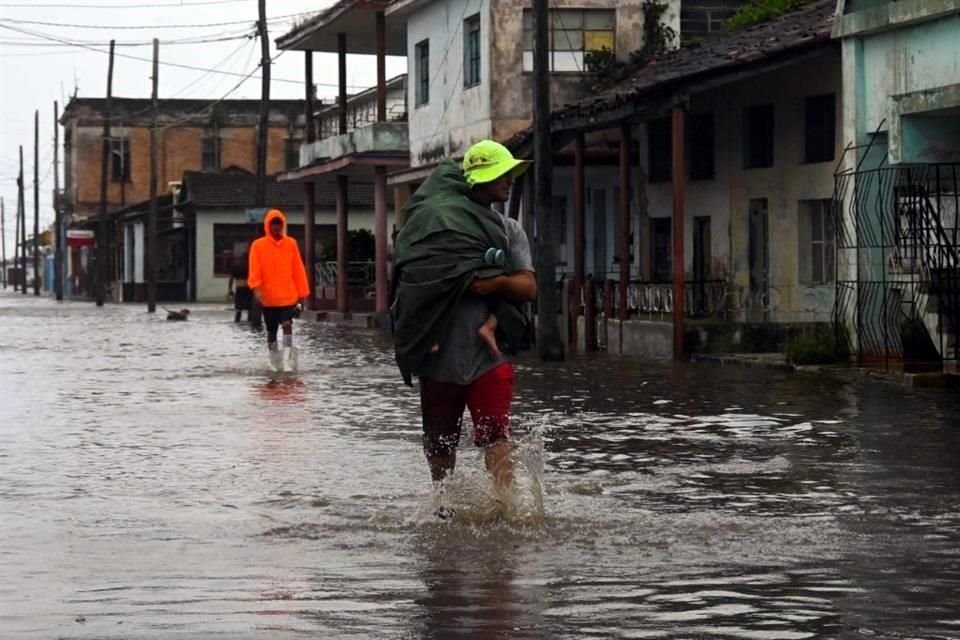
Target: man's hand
518	287
256	296
486	286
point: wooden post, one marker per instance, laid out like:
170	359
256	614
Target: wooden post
679	175
381	34
343	291
549	343
3	243
152	224
309	193
579	236
102	272
625	146
342	80
262	127
58	275
380	238
36	202
22	208
589	316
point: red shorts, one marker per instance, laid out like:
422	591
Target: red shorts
488	398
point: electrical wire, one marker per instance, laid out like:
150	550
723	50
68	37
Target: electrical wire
157	26
169	64
181	4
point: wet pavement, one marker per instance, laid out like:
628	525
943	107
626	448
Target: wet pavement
157	481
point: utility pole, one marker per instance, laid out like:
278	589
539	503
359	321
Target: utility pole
549	342
36	202
3	242
58	216
16	240
152	225
102	274
22	207
261	193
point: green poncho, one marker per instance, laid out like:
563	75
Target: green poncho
437	254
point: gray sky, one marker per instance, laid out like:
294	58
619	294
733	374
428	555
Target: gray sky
35	70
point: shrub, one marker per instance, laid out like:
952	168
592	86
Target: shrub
822	346
757	11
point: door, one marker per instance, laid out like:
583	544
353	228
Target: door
759	259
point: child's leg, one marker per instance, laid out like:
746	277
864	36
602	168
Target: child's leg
487	333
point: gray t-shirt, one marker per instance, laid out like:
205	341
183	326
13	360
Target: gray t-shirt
463	356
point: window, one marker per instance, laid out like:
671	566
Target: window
817	242
573	33
471	51
700	146
422	90
120	159
821	128
210	160
291	154
660	249
659	150
758	137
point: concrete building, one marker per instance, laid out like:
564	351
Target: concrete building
194	135
899	258
757	114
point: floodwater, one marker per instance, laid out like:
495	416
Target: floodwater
157	481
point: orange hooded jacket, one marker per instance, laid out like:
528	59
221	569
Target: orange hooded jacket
276	268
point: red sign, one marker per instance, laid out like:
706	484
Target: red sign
80	238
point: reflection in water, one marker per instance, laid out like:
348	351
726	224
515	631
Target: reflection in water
157	479
284	388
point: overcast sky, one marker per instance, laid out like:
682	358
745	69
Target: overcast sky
41	63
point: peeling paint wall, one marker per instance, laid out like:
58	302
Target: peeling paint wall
501	105
725	199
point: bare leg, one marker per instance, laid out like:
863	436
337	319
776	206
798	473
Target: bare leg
487	333
500	465
441	466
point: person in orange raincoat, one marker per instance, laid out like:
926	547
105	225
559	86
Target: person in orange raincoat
279	282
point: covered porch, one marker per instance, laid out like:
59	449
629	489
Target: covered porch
350	149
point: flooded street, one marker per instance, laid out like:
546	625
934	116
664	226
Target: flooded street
158	481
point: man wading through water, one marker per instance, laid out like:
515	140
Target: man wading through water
279	282
462	272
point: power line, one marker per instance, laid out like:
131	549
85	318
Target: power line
181	4
154	26
92	43
150	60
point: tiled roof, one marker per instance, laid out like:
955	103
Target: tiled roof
787	35
238	190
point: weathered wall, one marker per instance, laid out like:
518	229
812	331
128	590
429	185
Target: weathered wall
179	150
455	116
501	105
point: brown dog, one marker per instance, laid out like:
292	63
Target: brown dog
177	315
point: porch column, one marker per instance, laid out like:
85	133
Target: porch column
625	145
343	292
381	35
342	68
380	236
679	175
579	241
309	195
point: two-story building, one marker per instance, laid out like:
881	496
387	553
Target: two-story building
193	135
899	188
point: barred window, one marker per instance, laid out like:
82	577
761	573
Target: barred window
573	33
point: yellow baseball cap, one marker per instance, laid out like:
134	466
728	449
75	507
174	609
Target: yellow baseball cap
488	160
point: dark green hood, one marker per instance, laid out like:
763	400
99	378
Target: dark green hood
437	254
